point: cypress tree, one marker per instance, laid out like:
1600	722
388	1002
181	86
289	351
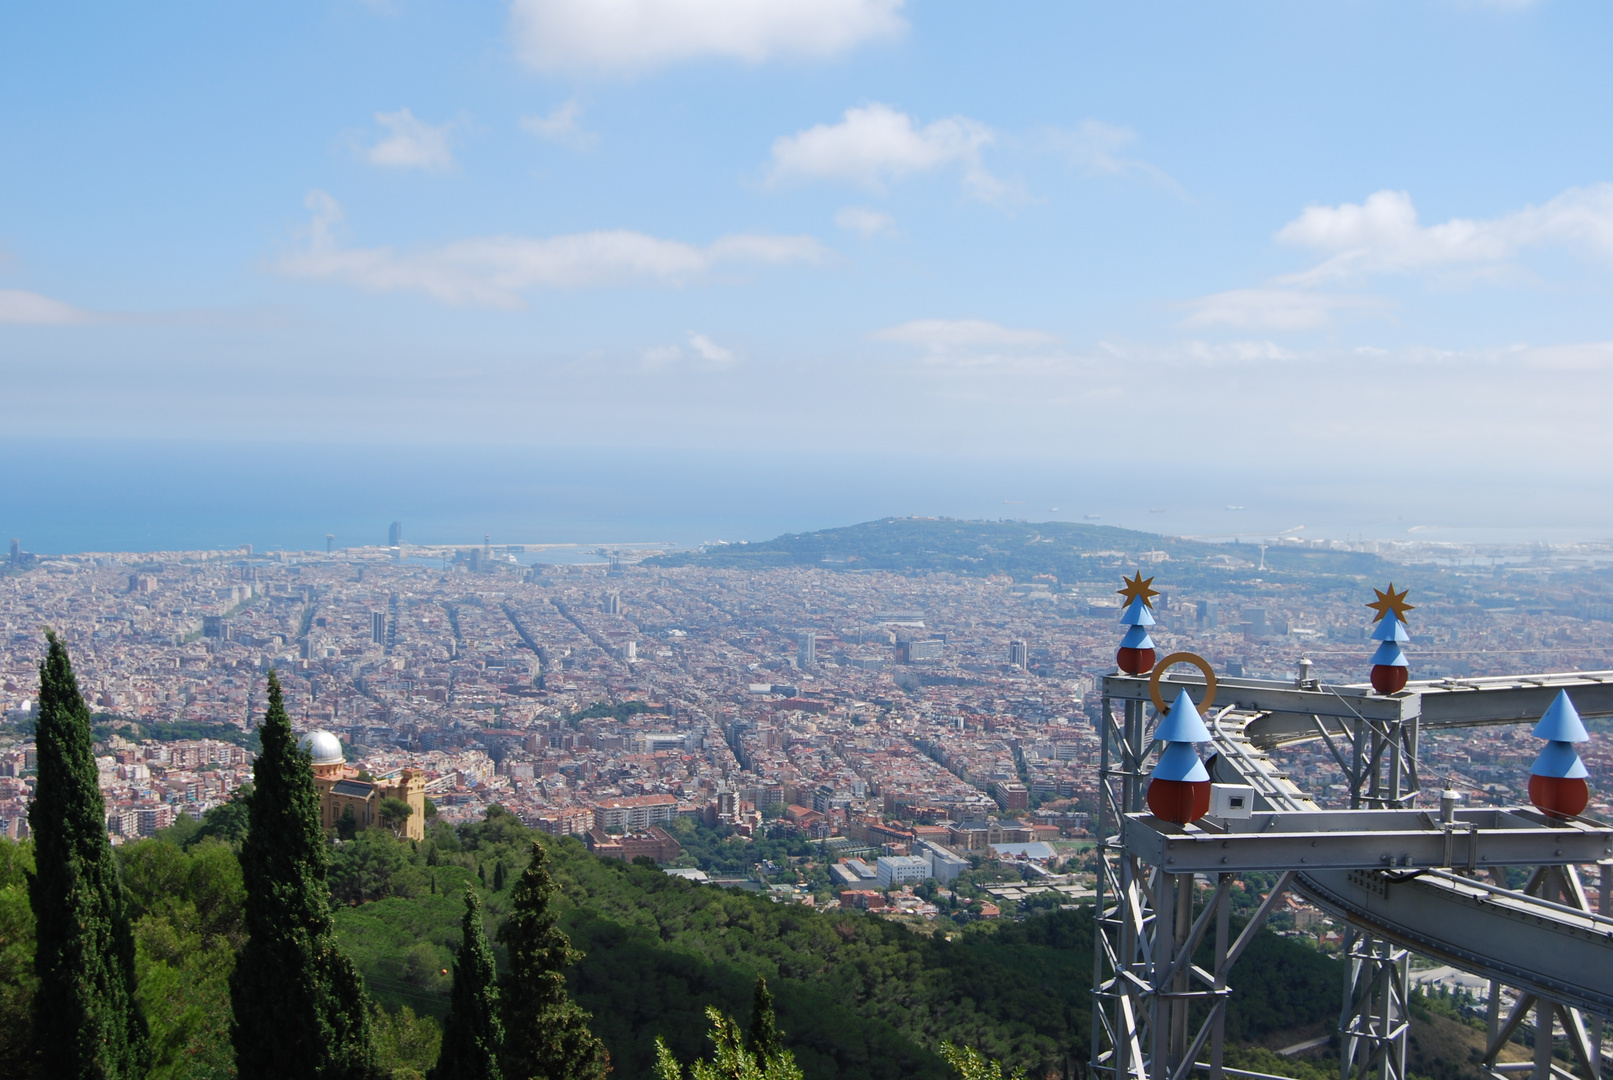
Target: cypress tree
299	1003
472	1036
86	1021
733	1060
546	1033
763	1039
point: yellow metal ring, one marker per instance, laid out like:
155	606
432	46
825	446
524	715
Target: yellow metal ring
1182	658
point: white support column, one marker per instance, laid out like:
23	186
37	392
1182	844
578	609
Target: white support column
1373	1021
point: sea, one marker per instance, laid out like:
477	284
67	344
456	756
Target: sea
61	496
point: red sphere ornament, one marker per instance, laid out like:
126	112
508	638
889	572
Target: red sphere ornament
1135	661
1179	801
1388	678
1556	796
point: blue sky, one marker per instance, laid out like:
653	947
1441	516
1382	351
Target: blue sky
1369	238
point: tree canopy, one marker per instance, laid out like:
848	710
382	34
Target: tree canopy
547	1035
473	1034
86	1021
299	1003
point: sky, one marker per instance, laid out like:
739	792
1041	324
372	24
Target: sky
1365	242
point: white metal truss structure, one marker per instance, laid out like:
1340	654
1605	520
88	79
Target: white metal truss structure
1145	981
1379	761
1559	885
1159	1015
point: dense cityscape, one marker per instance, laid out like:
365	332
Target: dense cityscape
806	540
905	715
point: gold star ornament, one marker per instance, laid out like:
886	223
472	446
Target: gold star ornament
1391	603
1137	588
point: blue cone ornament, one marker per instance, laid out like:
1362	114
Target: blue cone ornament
1557	780
1389	667
1179	787
1136	654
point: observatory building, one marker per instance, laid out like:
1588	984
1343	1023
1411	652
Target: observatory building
340	788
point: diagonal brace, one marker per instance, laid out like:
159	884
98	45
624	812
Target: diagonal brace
1504	1034
1184	956
1256	921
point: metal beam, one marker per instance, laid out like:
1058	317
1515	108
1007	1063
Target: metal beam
1256	921
1512	699
1184	955
1272	695
1443	703
1524	942
1364	840
1574	1027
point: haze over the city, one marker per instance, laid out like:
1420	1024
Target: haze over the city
806	540
687	270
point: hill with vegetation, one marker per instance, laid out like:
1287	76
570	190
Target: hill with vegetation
857	995
1066	551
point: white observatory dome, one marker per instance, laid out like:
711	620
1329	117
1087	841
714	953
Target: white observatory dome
325	747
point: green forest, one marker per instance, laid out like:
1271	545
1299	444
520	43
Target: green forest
856	995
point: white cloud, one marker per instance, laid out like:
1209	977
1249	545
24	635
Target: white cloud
630	36
866	222
874	145
1382	234
1582	356
709	350
953	338
1095	149
701	346
1274	309
1094	146
561	125
493	271
1196	353
17	306
412	144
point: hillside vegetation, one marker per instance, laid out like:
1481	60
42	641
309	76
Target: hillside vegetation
858	996
1068	551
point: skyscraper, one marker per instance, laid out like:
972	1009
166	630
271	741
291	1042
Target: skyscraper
807	654
16	551
1255	622
613	602
378	627
1018	653
394	534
